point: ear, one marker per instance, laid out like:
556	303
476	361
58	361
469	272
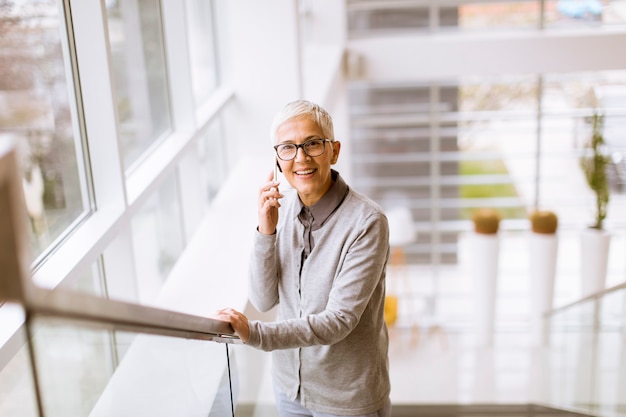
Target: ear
336	146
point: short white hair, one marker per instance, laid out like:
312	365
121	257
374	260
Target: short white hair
303	109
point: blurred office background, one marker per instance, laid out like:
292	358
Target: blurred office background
143	133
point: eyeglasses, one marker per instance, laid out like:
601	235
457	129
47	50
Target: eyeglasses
312	147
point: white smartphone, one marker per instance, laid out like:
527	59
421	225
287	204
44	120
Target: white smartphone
276	170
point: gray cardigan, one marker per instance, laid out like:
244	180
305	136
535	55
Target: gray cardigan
330	341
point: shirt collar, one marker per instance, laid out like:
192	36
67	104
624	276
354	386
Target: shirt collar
333	198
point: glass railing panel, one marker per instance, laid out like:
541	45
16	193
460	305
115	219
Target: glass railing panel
571	346
610	388
588	355
17	387
80	373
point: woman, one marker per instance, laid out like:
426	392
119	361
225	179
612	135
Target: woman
323	262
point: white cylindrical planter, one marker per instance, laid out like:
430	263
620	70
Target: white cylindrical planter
543	258
594	258
620	388
485	260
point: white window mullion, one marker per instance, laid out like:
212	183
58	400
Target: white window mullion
91	41
178	64
74	92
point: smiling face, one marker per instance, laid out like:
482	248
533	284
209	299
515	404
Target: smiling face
309	176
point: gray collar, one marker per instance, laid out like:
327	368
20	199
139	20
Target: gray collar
327	205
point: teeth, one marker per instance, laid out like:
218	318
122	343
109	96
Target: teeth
310	171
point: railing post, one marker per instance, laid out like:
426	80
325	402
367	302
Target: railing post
14	263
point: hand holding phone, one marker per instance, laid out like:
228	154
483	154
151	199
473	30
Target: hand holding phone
269	203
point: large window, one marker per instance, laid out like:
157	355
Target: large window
201	49
78	120
140	78
36	111
157	239
69	166
214	159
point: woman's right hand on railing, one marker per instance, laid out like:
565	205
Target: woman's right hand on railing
237	320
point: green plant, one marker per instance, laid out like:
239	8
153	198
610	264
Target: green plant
594	166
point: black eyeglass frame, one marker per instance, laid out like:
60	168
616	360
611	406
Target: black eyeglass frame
302	145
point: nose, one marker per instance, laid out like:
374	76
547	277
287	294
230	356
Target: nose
300	154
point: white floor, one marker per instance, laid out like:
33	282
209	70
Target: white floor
435	356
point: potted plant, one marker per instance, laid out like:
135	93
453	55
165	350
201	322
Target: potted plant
543	248
544	222
486	221
595	241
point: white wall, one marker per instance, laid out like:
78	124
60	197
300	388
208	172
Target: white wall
268	69
263	53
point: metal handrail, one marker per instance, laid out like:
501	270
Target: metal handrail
591	297
128	316
16	284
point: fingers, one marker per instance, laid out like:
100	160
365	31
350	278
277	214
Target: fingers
268	204
268	197
270	188
232	316
237	320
